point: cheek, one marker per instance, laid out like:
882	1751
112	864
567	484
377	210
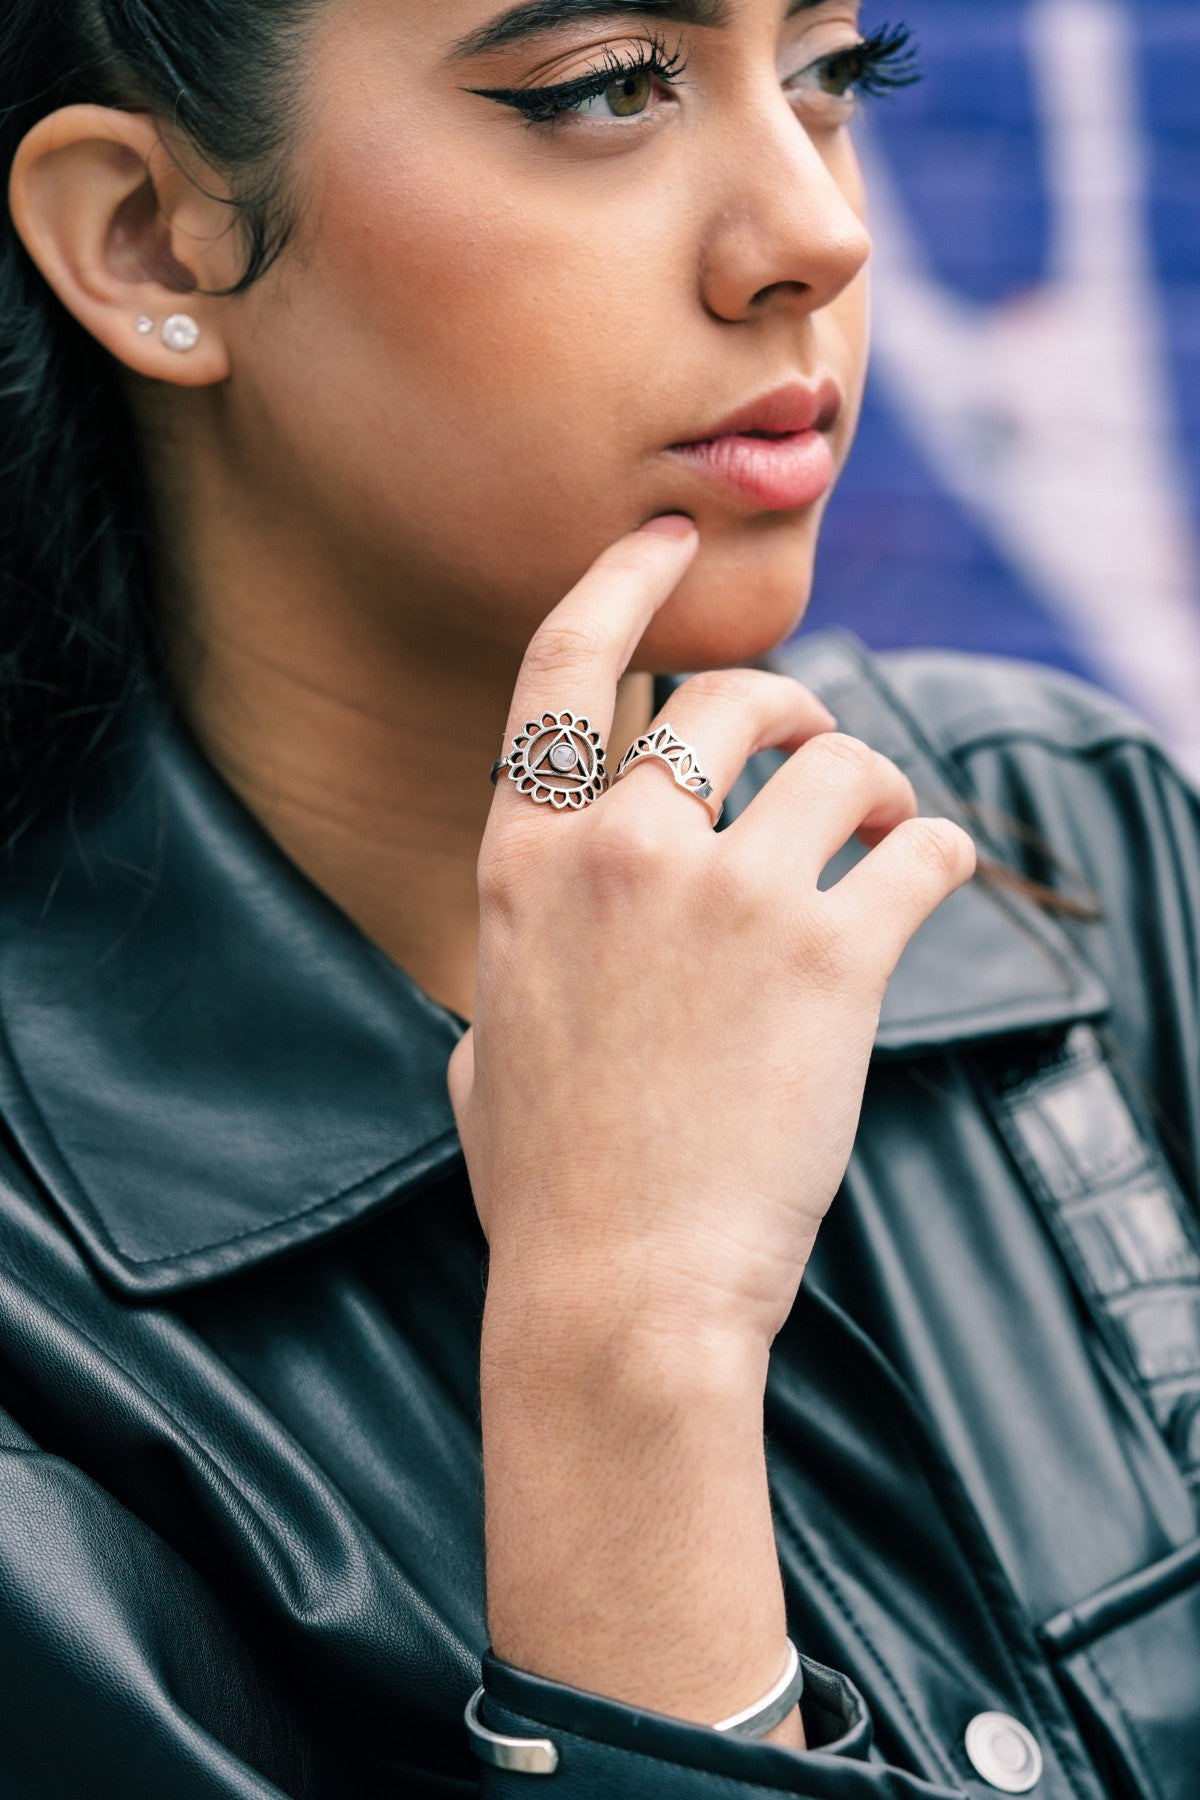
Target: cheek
478	355
475	355
506	311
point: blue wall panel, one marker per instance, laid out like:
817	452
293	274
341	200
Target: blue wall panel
979	169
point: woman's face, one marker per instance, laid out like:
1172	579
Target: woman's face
467	372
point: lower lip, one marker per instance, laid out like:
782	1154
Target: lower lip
778	474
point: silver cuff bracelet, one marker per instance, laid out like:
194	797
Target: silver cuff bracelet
539	1756
770	1711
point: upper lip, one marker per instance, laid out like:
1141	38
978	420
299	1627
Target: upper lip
800	406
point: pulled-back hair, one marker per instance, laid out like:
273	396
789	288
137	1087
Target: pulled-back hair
77	632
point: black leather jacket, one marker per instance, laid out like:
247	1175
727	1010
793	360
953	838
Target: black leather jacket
241	1286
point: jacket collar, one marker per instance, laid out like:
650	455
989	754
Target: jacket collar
208	1066
202	1059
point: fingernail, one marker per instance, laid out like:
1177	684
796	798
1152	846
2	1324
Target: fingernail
672	525
828	717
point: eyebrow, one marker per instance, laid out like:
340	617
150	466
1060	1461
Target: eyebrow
536	16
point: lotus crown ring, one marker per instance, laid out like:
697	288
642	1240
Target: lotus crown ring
557	760
663	746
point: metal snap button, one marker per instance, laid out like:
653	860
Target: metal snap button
1004	1752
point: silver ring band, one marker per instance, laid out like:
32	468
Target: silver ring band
663	746
557	760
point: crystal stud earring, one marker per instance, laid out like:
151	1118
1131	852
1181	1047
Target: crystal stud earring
180	332
143	324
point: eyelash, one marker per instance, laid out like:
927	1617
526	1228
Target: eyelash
543	105
878	64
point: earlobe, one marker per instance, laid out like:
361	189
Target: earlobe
121	234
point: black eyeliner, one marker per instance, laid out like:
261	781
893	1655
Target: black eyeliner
879	64
542	105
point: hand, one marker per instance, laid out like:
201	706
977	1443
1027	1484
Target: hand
672	1026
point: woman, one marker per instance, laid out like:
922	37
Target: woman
393	392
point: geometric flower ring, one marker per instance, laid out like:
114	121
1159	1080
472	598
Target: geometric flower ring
558	761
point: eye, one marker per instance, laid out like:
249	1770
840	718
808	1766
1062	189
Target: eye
624	98
874	65
620	87
838	75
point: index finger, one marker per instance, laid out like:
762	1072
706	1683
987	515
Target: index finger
582	648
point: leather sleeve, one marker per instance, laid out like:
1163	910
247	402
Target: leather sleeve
122	1676
606	1748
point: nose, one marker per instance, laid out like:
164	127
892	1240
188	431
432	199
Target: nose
785	227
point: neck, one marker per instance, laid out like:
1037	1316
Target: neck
363	753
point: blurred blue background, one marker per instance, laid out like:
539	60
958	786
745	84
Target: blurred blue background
1027	475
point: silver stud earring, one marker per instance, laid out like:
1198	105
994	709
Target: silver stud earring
143	324
180	332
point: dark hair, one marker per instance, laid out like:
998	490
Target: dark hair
77	633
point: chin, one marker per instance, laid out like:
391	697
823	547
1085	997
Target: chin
746	593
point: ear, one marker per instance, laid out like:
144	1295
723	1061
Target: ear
121	231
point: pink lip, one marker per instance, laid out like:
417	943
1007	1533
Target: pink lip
790	468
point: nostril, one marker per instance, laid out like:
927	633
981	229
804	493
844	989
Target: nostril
791	289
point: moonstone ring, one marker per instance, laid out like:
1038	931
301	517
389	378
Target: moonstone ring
663	746
557	760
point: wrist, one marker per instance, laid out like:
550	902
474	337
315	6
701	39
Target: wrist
640	1336
629	1536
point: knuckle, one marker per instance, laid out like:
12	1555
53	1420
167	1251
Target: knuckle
623	854
728	687
494	884
731	893
940	847
502	872
827	950
562	644
848	753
